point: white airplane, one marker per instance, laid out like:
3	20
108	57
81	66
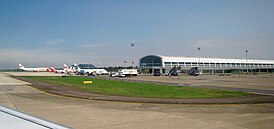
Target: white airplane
11	118
42	69
89	69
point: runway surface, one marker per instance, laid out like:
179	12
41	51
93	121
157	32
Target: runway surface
83	114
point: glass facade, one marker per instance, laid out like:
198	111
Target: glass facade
151	61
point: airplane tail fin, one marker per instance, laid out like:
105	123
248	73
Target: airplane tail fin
65	66
76	67
48	70
21	66
53	69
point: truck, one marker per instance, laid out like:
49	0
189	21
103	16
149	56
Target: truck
127	72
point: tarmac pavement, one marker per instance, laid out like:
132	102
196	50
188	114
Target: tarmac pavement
88	114
33	73
258	84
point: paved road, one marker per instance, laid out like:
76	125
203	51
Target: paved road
83	114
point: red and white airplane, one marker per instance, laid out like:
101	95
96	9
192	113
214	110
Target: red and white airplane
69	70
49	70
42	69
65	70
52	69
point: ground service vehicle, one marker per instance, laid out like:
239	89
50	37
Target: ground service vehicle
156	73
127	72
175	71
193	71
114	74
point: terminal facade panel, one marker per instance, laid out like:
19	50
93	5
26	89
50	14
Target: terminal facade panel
151	63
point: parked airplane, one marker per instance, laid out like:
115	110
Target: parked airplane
49	69
69	70
65	70
52	69
42	69
89	69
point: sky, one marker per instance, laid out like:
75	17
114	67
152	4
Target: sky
53	32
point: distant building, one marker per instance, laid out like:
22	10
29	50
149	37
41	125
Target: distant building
86	66
151	63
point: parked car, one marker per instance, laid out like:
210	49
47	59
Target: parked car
157	73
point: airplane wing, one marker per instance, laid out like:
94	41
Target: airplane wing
11	119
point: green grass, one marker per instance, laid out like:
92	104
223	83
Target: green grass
135	89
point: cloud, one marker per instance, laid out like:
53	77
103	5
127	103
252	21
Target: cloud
211	43
55	42
258	34
31	57
258	49
11	57
137	40
93	45
220	48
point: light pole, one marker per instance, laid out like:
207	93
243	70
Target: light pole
132	45
103	64
125	63
199	56
246	51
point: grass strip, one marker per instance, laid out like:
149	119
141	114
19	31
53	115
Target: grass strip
136	89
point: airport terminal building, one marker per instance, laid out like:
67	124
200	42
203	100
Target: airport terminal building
151	63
